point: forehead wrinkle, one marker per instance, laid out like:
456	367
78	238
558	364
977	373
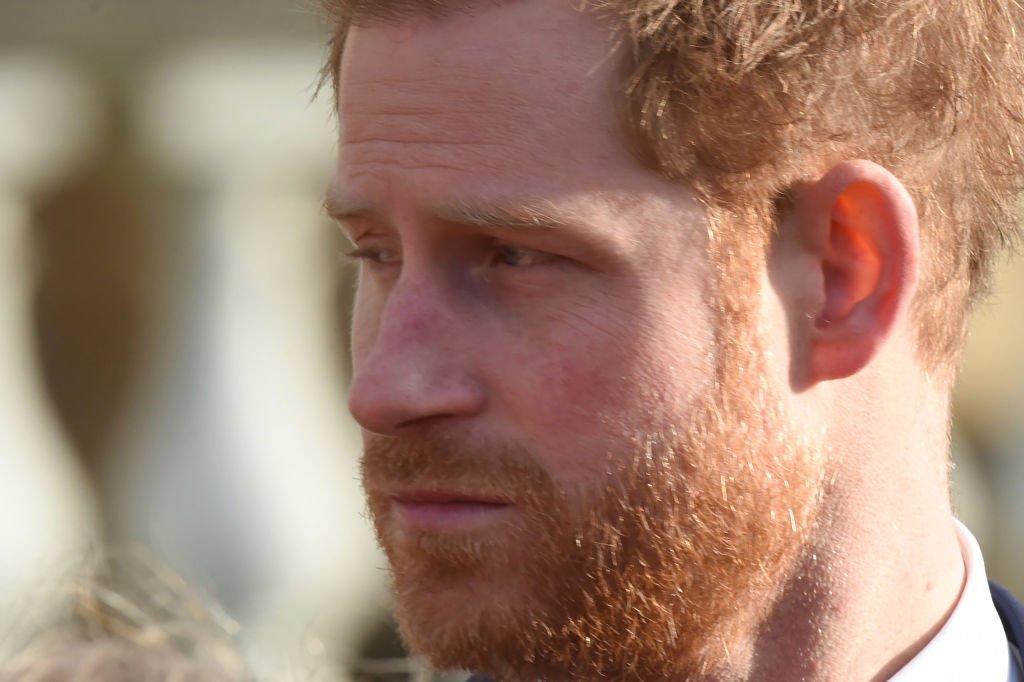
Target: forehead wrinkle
440	116
371	156
463	71
417	140
453	111
473	94
480	80
443	130
408	84
451	137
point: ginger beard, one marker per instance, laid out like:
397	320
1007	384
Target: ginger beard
661	572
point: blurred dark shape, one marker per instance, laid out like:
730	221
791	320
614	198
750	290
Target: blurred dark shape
92	234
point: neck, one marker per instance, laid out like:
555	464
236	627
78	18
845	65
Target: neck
879	579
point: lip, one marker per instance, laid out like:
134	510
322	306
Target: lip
448	511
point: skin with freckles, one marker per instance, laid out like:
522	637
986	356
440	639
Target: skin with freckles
610	434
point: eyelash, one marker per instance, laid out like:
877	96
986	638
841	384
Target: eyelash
367	253
540	256
380	256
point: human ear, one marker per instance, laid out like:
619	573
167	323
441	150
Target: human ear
859	225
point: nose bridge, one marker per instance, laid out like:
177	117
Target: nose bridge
417	315
410	367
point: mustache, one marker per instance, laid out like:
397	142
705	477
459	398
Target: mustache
426	461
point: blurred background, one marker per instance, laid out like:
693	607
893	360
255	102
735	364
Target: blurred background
173	321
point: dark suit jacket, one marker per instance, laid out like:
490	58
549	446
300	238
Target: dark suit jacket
1011	612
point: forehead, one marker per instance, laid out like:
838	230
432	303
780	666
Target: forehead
514	91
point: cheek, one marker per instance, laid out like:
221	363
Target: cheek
577	395
569	409
582	384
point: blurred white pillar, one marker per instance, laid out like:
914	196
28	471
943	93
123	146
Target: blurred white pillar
48	517
241	464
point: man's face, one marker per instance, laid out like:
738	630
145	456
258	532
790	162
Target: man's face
574	459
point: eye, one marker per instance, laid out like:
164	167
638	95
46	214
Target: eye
518	257
372	254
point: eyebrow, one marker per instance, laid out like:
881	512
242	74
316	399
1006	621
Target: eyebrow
530	214
527	214
341	207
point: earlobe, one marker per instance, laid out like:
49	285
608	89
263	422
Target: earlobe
861	224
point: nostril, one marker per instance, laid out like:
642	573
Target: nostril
419	423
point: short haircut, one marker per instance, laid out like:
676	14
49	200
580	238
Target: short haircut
742	100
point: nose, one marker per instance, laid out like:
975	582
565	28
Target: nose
410	361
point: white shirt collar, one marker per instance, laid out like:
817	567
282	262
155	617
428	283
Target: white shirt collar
972	644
